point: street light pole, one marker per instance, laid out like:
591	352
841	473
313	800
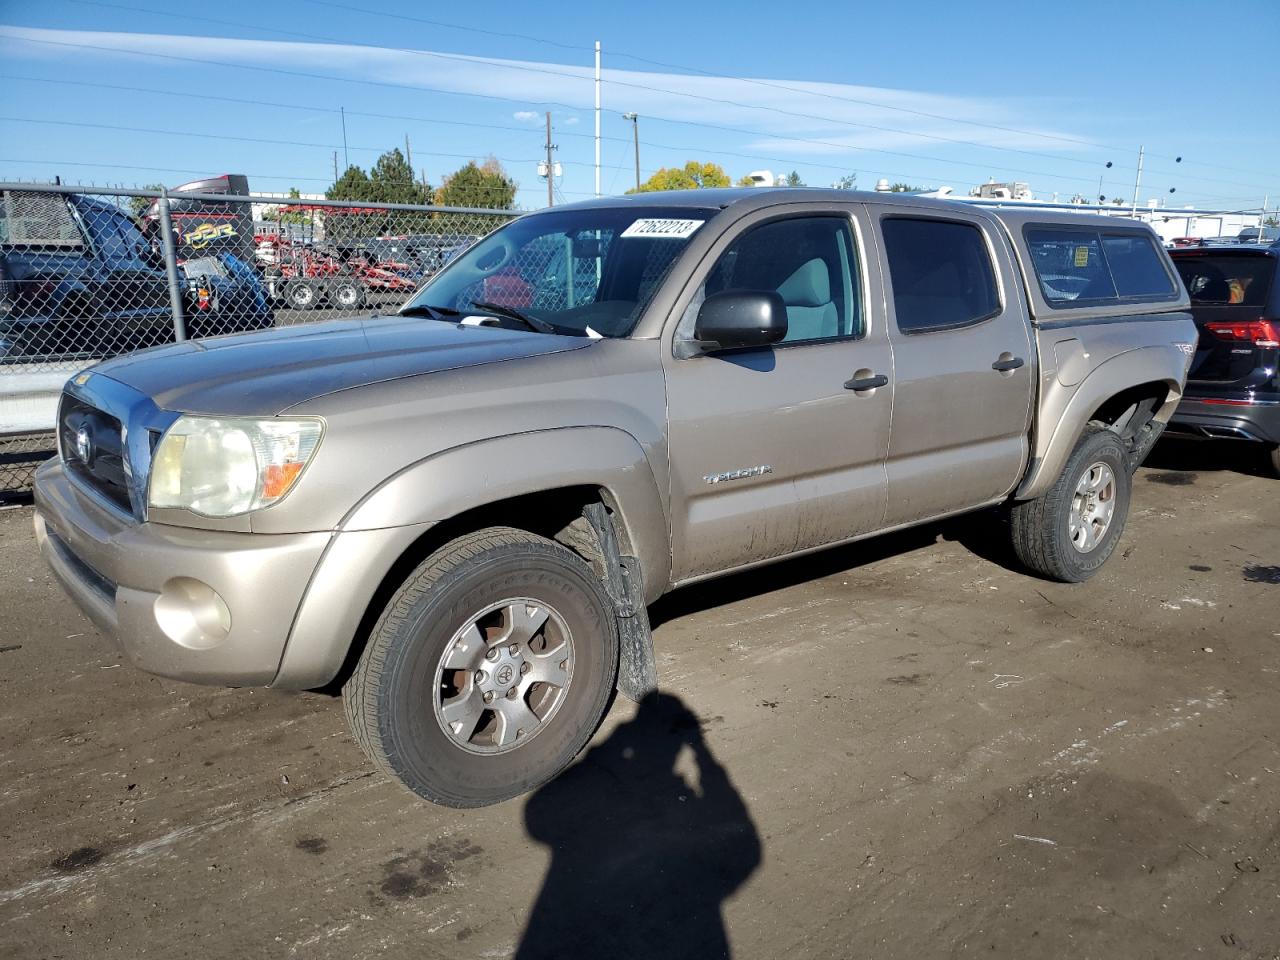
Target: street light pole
1137	182
635	138
597	85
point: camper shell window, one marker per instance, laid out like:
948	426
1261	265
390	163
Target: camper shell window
1084	266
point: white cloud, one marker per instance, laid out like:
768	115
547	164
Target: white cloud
845	118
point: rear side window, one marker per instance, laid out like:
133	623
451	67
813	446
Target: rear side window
1077	267
941	274
39	219
1227	281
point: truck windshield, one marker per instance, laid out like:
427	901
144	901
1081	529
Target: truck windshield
586	272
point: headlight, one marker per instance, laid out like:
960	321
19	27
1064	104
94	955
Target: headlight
226	467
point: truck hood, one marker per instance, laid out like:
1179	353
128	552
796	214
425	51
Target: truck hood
265	373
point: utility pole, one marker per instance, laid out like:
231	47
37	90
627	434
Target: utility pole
1137	182
345	159
551	169
408	156
335	166
635	138
597	118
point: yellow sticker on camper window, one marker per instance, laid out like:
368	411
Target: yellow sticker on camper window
1082	256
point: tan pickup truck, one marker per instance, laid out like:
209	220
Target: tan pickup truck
458	514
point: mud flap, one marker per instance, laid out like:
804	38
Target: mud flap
637	669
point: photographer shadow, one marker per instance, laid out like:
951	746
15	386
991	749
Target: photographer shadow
641	859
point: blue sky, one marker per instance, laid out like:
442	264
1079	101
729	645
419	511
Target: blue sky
929	93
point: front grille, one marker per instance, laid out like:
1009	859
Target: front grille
93	450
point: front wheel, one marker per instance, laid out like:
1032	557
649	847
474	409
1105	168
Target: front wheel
488	671
1068	533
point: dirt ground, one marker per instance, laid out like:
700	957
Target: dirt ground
905	748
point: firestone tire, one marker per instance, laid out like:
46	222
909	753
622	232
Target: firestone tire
1068	533
402	689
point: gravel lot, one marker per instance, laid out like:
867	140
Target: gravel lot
905	748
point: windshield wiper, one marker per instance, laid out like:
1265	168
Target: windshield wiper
429	311
533	323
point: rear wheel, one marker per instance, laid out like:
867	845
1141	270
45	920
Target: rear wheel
488	671
1070	531
1273	460
348	294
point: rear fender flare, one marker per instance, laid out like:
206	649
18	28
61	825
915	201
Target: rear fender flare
1165	365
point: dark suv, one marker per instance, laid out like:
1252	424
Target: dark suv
1233	390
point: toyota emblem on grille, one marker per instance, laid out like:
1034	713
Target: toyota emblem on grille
84	445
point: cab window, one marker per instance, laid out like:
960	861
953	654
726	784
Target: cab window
941	274
810	262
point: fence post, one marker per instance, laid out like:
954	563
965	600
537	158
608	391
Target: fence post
171	267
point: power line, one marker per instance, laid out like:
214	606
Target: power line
244	101
225	136
483	96
287	178
649	88
742	131
767	83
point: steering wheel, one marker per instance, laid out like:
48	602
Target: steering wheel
1066	288
496	258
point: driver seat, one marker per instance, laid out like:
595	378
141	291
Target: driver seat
811	314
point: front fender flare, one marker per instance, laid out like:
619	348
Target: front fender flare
476	474
391	518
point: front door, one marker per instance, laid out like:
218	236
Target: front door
776	449
963	365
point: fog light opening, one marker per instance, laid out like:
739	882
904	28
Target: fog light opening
192	614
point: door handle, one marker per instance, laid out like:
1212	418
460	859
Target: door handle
1006	364
866	383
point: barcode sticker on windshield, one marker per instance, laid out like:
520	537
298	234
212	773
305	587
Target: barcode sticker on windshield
663	229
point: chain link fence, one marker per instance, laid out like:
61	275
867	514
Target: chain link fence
87	274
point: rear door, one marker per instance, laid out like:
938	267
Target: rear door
963	364
772	449
1232	297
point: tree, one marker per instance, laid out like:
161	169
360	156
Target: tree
793	180
848	182
478	185
139	204
292	216
391	180
352	185
692	176
904	188
745	181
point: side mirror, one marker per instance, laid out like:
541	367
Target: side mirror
739	318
